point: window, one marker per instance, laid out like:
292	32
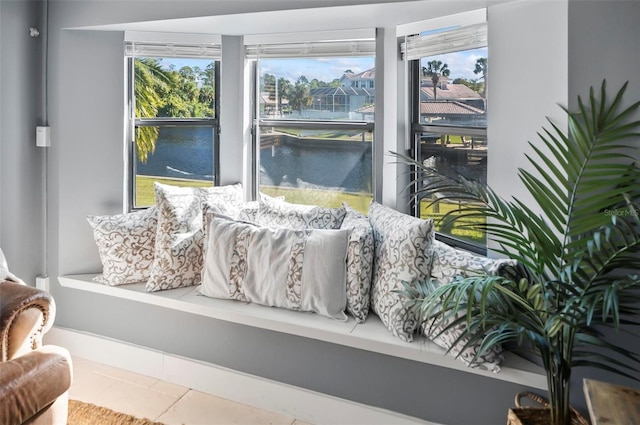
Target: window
448	83
174	98
315	122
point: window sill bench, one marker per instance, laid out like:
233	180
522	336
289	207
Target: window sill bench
370	336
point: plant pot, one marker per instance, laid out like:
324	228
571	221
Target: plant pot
529	415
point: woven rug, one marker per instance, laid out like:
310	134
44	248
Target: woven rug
89	414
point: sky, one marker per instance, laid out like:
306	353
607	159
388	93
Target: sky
322	69
461	64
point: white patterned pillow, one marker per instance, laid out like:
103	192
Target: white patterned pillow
248	211
359	263
448	263
180	235
403	253
295	216
300	270
230	194
125	245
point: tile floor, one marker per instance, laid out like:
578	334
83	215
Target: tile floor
162	401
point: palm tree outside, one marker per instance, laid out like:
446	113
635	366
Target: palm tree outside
436	69
483	69
150	78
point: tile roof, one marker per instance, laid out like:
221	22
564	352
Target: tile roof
452	91
438	108
368	74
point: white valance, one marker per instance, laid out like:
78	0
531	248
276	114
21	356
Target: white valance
455	40
173	50
318	49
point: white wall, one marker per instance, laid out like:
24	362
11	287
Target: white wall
234	118
528	79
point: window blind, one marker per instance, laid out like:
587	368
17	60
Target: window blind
173	50
455	40
345	48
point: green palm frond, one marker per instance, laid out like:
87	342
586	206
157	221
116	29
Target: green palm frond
149	80
577	245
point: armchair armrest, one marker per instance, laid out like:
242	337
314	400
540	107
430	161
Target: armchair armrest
29	384
26	313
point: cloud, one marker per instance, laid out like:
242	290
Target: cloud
323	69
461	64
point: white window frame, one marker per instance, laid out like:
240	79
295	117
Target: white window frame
316	47
136	46
467	37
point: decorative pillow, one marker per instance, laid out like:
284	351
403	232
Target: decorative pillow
248	211
180	235
295	216
403	253
359	263
230	194
448	263
125	245
295	269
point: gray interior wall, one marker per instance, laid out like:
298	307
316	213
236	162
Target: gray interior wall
603	39
21	204
430	392
602	36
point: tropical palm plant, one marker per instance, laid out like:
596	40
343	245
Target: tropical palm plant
482	67
436	69
149	79
577	260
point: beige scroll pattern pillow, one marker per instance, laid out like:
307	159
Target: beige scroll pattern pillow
403	253
359	263
449	263
125	245
178	253
294	216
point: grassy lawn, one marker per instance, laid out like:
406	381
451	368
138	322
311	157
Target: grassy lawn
329	135
454	229
332	199
145	196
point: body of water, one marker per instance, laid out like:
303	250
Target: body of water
187	152
181	152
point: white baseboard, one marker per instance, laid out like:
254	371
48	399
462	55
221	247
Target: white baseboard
306	405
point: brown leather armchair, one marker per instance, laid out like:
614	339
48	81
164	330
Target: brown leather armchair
34	379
